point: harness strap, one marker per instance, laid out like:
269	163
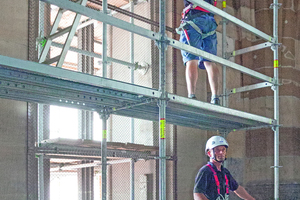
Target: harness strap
195	7
218	182
216	178
186	22
227	184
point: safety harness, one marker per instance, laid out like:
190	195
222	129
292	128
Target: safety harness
218	184
185	21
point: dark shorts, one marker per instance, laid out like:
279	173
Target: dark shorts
207	24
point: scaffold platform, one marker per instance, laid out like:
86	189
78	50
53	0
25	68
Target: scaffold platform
33	82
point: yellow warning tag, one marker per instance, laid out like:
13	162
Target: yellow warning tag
275	63
162	128
224	4
104	134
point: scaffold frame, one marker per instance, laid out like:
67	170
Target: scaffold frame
35	82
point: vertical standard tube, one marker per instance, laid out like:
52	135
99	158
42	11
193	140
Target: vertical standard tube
104	42
276	101
104	117
224	45
41	168
132	119
104	155
162	102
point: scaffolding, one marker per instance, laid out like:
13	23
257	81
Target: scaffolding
41	83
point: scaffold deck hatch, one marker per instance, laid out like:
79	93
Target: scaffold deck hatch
33	82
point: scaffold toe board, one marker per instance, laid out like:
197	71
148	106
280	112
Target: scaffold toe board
33	82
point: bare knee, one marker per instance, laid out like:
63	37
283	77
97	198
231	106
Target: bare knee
192	64
211	67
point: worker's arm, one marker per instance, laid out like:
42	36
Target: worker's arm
199	196
243	194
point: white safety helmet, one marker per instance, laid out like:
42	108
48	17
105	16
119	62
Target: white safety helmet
215	141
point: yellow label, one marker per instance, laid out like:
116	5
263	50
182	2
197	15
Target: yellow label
234	90
233	53
275	63
104	134
224	4
162	128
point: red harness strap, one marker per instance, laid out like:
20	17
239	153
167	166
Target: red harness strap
217	180
199	8
190	6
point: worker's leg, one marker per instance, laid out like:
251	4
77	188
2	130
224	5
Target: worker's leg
213	76
191	75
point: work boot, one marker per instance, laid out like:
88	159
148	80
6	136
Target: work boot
215	101
192	96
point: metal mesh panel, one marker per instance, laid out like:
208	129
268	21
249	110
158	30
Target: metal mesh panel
142	131
56	166
145	180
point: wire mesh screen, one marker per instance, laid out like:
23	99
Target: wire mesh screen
69	148
81	179
68	140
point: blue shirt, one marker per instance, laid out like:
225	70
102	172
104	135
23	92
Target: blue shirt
205	182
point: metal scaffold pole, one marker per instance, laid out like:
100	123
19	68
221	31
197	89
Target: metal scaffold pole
162	102
224	45
104	41
276	100
104	118
132	119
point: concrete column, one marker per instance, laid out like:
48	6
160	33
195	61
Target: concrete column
13	118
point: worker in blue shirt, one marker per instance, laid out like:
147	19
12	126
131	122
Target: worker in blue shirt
214	181
197	29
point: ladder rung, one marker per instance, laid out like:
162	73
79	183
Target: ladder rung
51	60
59	33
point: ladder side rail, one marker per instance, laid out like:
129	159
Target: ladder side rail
49	40
70	36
